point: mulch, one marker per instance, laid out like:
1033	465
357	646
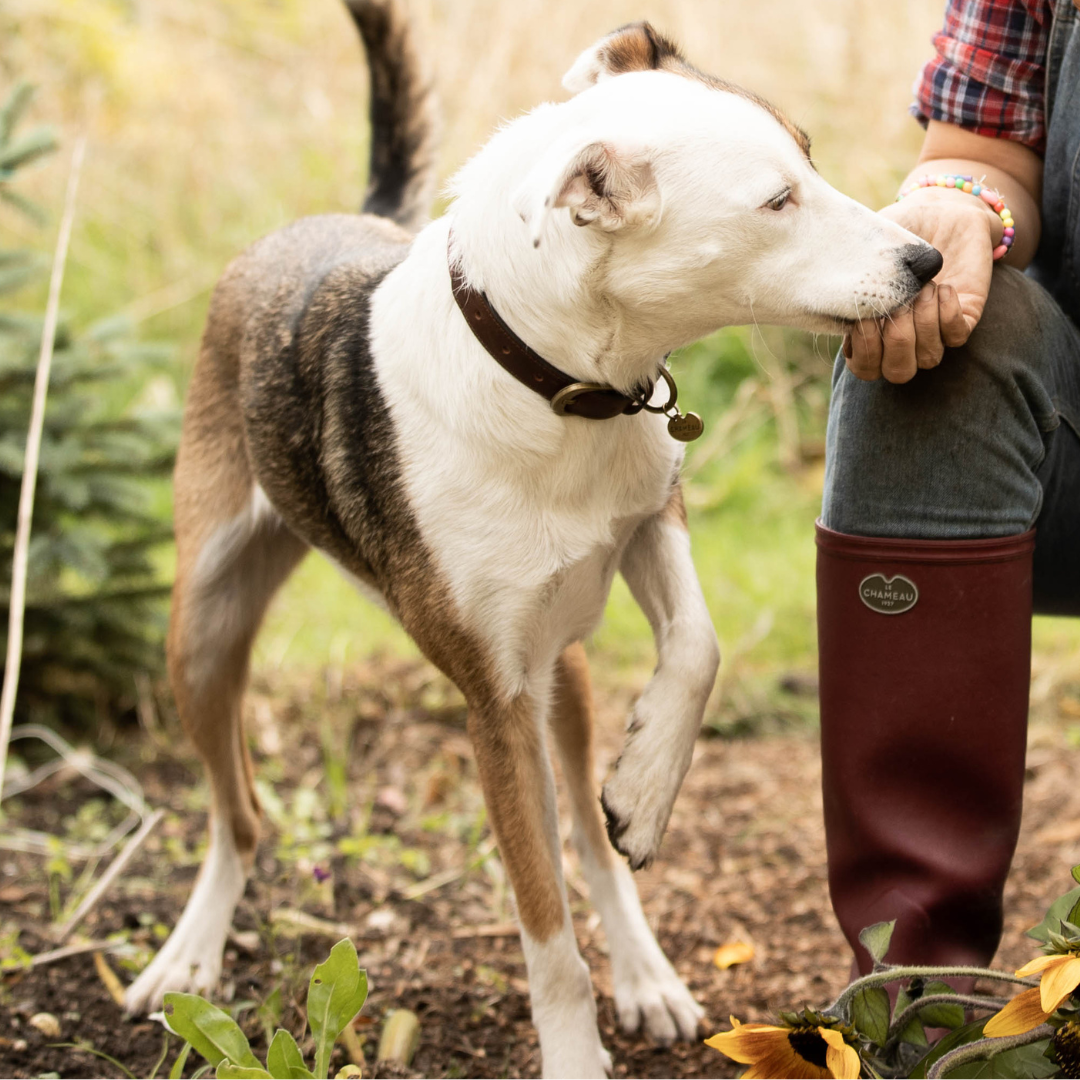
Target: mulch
401	832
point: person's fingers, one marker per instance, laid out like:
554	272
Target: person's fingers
864	360
955	328
898	363
928	344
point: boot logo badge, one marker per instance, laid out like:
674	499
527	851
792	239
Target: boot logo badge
888	596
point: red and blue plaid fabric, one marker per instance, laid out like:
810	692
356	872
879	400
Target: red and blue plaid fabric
989	74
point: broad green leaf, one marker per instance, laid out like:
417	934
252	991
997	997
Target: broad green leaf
1059	909
876	939
336	993
944	1015
211	1031
1076	874
225	1071
177	1071
284	1059
870	1013
1026	1061
959	1037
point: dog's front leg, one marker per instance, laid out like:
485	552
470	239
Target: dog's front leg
660	738
519	791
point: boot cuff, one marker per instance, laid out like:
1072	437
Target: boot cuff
990	549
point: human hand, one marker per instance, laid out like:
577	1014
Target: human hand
965	230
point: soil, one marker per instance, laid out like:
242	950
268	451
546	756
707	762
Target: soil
369	778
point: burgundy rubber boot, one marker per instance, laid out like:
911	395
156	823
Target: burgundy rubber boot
925	662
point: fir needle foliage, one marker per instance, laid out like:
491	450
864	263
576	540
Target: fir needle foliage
95	595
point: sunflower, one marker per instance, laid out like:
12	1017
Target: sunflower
801	1049
1060	977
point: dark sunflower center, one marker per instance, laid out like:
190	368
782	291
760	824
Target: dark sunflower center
1067	1049
809	1045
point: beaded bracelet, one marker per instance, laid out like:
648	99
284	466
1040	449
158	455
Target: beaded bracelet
972	187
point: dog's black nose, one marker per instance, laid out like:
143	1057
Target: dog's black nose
923	261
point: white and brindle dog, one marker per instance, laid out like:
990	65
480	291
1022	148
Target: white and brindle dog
343	401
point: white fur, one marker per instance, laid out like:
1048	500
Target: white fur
191	959
529	514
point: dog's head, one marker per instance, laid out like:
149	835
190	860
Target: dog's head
705	203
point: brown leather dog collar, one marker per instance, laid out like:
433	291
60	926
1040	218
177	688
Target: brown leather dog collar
592	401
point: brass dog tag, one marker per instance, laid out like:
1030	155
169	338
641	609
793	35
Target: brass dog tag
686	427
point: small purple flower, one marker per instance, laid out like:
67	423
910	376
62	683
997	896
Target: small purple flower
321	875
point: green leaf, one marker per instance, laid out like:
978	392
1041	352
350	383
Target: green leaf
960	1037
1076	874
914	1033
177	1071
1026	1061
943	1015
876	938
211	1031
284	1059
336	993
870	1013
225	1071
1059	909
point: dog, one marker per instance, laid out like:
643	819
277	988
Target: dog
344	399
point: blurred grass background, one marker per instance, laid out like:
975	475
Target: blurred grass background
220	120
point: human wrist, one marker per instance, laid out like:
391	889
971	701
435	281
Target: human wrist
947	186
939	201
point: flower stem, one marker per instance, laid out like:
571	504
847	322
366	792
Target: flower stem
894	973
969	1001
984	1049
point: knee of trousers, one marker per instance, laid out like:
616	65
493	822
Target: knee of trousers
952	453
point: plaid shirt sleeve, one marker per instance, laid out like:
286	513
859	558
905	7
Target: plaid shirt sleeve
989	73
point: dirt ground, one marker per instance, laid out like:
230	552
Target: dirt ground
381	794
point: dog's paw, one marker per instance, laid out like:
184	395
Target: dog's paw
635	824
650	995
591	1062
174	969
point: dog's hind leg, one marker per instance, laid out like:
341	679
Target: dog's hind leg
667	717
232	554
519	790
648	992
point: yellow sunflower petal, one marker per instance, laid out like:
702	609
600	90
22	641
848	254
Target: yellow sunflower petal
1040	963
783	1063
1059	981
1023	1013
747	1043
843	1061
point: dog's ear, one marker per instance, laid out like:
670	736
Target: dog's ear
604	184
636	47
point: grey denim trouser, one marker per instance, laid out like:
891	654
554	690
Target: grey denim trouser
986	444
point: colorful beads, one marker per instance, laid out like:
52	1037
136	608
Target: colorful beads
973	187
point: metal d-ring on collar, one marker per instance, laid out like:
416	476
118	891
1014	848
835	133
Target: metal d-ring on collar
682	426
590	401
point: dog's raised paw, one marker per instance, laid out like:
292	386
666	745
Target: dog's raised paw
629	830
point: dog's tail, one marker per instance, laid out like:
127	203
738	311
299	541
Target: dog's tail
404	120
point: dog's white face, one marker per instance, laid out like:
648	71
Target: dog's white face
706	205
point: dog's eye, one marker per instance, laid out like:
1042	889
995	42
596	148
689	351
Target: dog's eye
780	201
